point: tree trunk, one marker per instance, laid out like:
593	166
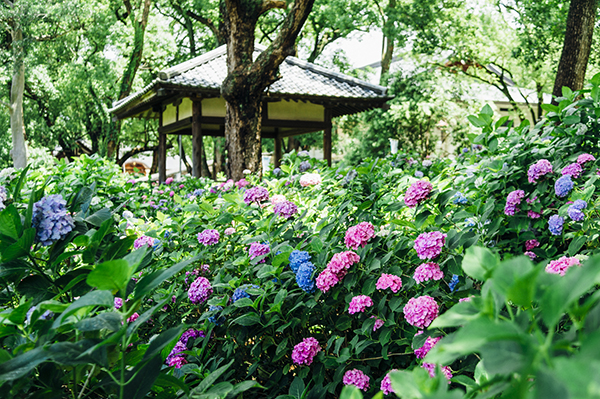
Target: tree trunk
577	46
246	80
219	156
135	59
17	124
388	53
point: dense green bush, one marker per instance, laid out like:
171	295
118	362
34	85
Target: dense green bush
197	289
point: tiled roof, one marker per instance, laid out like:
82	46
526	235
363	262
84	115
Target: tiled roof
298	78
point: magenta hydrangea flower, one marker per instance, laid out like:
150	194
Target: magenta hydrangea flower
200	290
378	323
531	255
390	281
209	237
430	342
133	317
357	236
305	351
229	231
531	244
539	169
143	241
256	194
336	269
421	311
357	378
583	158
118	303
359	304
429	245
176	361
417	193
561	265
285	209
574	170
428	271
241	183
430	367
534	215
257	249
386	384
466	299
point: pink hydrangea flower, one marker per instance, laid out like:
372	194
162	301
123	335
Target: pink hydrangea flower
534	215
539	169
357	236
143	241
561	265
574	170
357	378
229	231
257	249
169	180
277	198
390	281
336	269
531	255
417	193
429	245
430	342
209	237
176	361
583	158
359	304
428	271
430	367
133	317
241	183
285	209
310	179
305	351
467	299
386	384
421	311
378	323
531	244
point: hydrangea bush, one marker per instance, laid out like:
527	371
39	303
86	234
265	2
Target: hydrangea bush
307	283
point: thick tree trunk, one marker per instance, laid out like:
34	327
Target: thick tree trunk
17	124
577	46
246	80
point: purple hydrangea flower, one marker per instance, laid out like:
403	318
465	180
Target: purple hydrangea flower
583	158
257	249
563	186
304	166
531	255
305	351
200	290
539	169
209	237
256	194
574	170
143	241
386	383
285	209
3	197
575	214
417	193
555	224
579	204
51	220
357	378
531	244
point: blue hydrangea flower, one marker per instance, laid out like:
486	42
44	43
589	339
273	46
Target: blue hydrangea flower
216	318
351	175
277	171
469	222
418	174
3	197
240	292
563	186
156	244
453	282
304	166
575	214
459	198
297	258
51	220
304	277
579	204
555	225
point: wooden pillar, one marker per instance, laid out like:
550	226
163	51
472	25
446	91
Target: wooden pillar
277	148
196	139
162	153
327	137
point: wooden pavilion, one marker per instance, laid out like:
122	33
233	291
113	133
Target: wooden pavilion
186	100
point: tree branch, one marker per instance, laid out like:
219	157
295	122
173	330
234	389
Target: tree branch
138	150
268	5
209	24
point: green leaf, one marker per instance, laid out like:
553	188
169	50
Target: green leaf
94	298
316	245
21	365
249	319
351	392
576	244
242	387
19	185
457	315
110	321
421	218
297	388
486	110
515	279
10	222
150	282
209	380
99	217
144	379
112	275
157	344
479	262
475	121
21	247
